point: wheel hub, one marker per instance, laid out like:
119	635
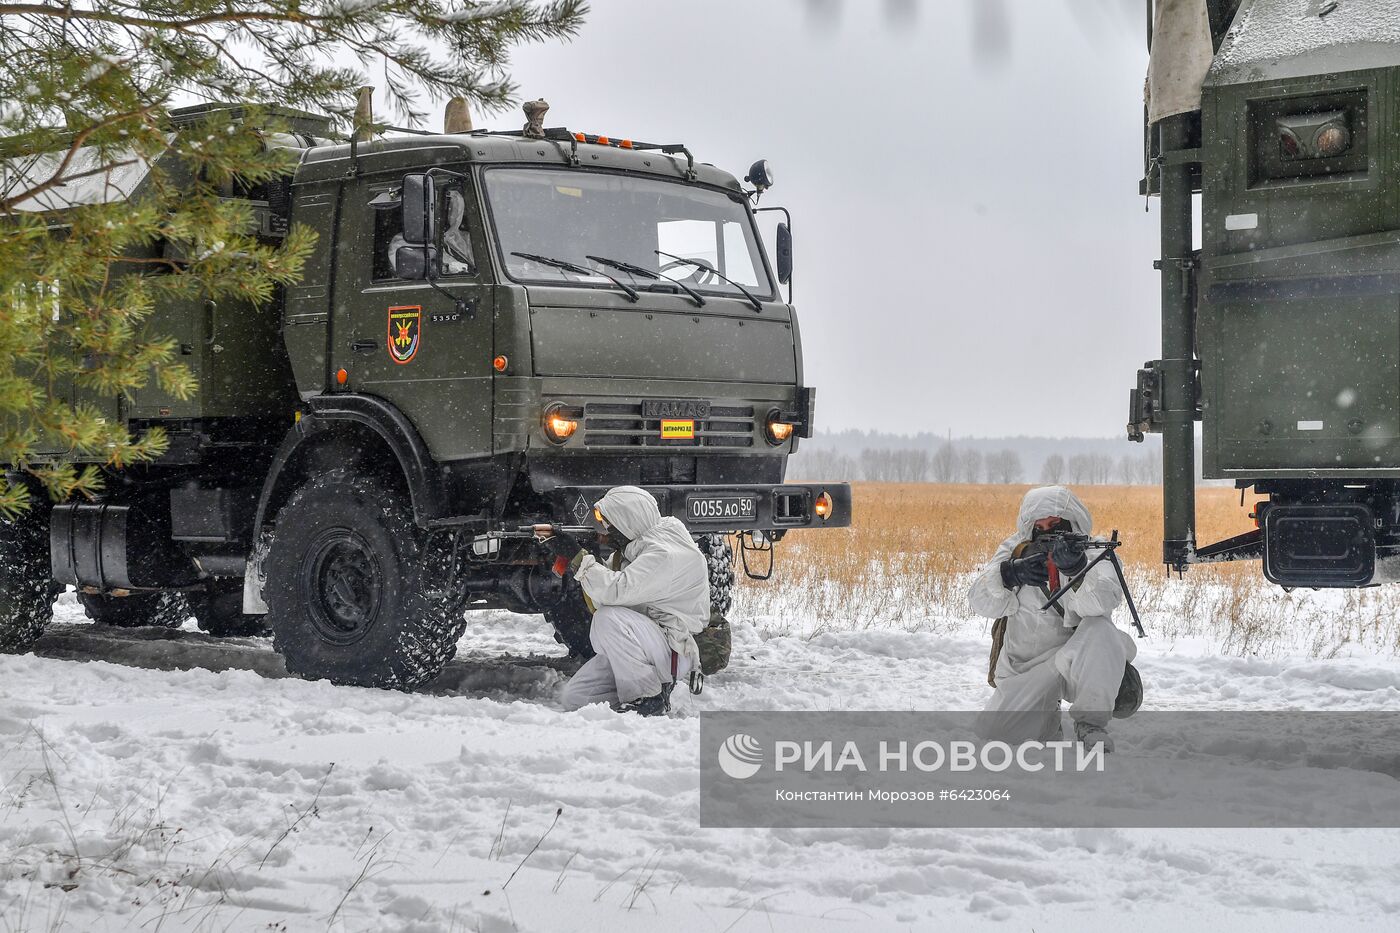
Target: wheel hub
345	584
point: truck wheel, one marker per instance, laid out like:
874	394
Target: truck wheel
163	610
26	591
218	611
719	554
345	588
572	622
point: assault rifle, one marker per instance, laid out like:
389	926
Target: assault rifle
487	547
1108	553
543	531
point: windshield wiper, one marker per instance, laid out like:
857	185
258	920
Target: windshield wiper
580	270
644	272
699	264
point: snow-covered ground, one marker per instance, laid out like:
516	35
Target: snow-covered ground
166	781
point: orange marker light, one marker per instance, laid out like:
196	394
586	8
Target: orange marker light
824	506
341	376
626	144
500	363
779	431
562	428
580	137
604	141
558	427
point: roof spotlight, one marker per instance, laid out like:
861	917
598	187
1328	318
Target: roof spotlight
760	175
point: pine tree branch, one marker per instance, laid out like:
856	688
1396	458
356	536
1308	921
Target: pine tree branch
86	291
68	13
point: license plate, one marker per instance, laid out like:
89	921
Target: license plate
721	508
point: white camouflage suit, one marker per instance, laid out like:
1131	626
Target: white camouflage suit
1046	657
654	605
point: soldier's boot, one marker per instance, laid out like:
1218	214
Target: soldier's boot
658	705
1091	734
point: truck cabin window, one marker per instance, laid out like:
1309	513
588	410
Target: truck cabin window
454	240
572	215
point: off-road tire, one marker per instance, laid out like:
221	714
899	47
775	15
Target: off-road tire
719	554
572	621
161	610
345	583
26	590
218	611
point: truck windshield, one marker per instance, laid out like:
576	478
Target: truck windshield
571	215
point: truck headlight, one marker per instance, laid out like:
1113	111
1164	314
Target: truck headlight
558	426
778	430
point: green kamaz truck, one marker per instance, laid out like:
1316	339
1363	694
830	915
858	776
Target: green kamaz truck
494	329
1281	327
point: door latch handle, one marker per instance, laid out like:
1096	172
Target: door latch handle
364	346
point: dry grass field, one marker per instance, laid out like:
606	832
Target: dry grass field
953	528
904	565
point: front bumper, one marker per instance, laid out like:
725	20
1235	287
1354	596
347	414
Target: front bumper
776	507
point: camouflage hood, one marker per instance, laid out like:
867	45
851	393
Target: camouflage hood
1045	501
633	511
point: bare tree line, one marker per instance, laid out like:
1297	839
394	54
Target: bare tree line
1100	469
947	464
951	464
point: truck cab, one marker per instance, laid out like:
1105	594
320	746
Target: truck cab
534	384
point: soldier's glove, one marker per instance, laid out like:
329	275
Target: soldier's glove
1025	571
1068	554
562	545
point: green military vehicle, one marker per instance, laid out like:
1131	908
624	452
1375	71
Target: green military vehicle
495	328
1281	330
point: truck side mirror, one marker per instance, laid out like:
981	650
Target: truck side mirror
413	262
784	254
419	210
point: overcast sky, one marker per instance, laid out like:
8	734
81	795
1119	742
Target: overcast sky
971	253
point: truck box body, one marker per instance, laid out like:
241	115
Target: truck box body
1299	301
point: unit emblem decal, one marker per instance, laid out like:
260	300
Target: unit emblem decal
405	332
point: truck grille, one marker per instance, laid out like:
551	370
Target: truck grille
607	424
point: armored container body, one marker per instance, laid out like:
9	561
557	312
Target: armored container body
1282	329
493	330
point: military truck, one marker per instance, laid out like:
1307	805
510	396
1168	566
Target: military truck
494	329
1281	329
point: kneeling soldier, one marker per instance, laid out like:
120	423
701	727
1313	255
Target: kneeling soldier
647	608
1072	650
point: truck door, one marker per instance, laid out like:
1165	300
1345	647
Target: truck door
406	341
